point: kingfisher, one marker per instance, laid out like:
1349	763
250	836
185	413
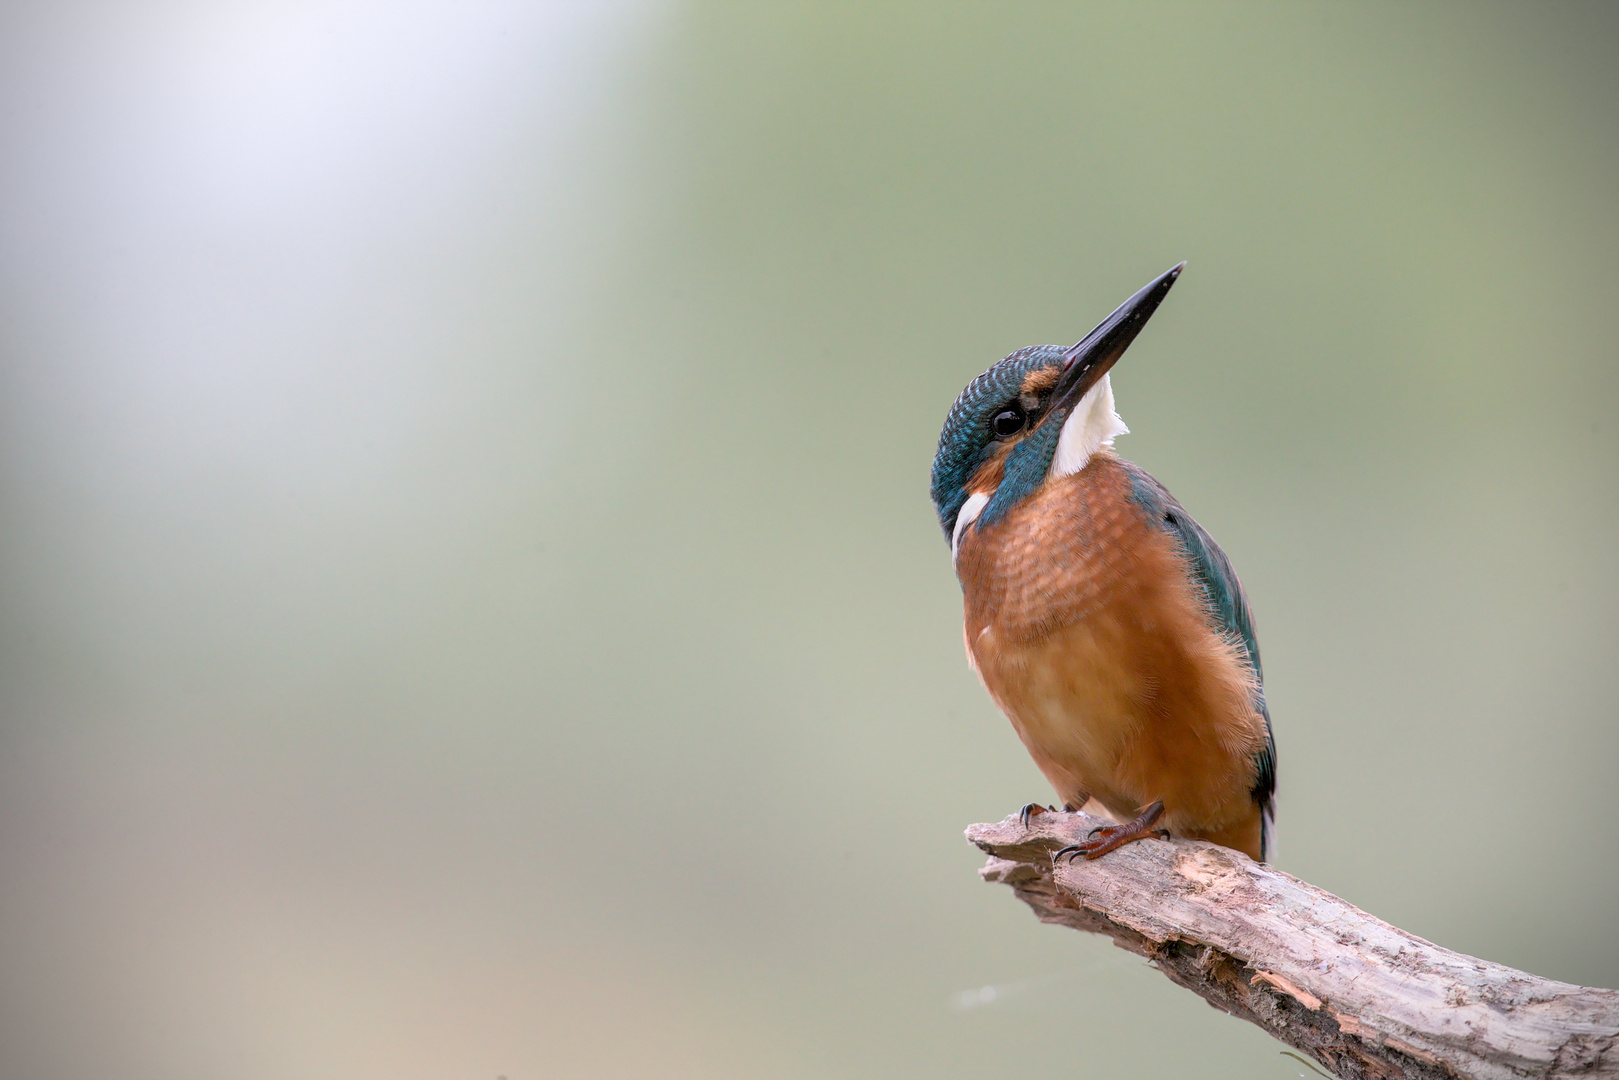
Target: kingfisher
1105	623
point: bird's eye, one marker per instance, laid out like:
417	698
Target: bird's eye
1008	422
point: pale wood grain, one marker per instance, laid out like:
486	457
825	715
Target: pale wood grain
1363	998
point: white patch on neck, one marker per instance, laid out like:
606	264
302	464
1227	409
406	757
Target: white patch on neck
1092	426
969	513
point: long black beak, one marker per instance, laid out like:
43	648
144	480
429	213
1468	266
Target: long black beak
1086	363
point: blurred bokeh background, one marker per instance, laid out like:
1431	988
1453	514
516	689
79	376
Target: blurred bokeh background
471	605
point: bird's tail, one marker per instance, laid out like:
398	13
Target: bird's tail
1267	830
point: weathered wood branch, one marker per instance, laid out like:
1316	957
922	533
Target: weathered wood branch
1365	999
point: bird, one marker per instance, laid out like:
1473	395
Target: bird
1105	623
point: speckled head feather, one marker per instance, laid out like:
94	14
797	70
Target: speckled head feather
966	441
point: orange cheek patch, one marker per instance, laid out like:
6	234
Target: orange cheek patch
1040	380
987	477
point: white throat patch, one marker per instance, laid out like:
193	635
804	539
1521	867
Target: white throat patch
1092	426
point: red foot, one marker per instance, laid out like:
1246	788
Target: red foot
1104	839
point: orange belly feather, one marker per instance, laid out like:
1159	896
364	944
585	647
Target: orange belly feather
1088	629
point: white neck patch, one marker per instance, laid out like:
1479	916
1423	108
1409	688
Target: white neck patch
1092	426
969	513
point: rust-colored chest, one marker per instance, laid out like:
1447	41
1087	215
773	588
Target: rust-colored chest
1059	555
1087	625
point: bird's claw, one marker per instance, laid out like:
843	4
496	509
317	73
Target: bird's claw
1030	811
1067	853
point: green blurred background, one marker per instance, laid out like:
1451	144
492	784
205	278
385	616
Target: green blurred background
471	605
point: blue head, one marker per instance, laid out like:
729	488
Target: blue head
1039	413
992	417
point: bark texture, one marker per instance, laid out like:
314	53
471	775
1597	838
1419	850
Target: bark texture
1363	998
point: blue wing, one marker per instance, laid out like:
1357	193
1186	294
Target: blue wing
1229	607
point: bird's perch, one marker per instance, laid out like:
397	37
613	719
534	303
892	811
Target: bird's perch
1363	998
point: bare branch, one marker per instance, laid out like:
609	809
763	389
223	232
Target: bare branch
1363	998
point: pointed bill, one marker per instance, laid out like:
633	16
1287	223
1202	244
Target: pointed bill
1086	363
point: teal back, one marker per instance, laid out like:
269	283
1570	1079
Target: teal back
1229	607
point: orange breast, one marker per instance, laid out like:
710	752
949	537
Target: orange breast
1086	626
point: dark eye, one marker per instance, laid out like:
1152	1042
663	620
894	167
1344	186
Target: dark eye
1008	422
